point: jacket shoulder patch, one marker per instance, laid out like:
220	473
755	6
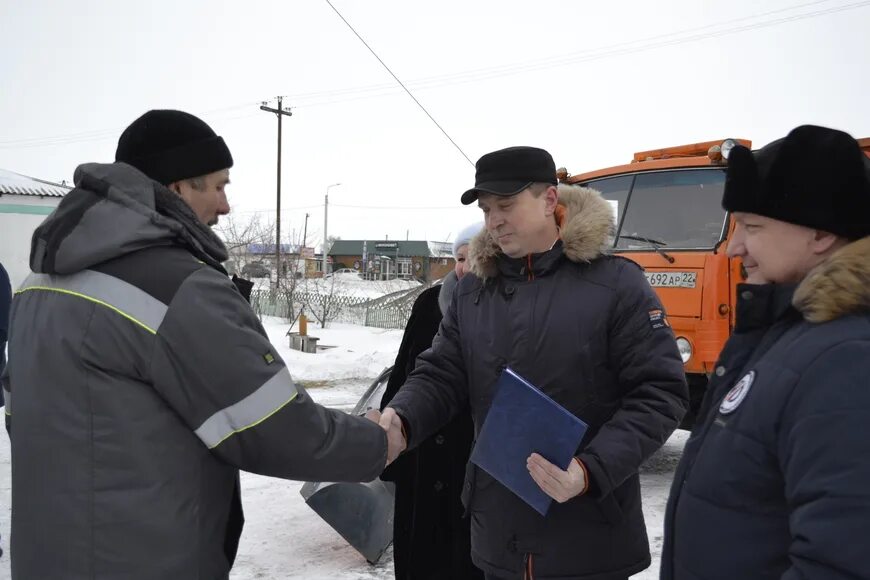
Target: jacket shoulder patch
737	394
658	319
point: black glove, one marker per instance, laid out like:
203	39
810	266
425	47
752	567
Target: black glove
244	287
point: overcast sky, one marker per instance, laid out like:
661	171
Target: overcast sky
592	82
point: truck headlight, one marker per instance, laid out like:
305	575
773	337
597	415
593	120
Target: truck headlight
685	348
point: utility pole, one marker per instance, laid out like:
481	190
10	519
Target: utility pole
281	112
325	221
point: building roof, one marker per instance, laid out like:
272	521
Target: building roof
441	249
391	248
17	184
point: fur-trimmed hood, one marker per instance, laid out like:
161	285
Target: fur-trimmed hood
838	286
586	226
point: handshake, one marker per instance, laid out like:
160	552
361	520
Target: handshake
392	424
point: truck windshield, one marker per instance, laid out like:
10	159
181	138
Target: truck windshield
680	209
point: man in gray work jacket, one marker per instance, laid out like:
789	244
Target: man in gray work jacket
140	381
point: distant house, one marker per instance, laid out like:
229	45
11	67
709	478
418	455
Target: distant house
24	204
254	259
387	259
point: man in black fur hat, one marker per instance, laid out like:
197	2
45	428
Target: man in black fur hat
773	483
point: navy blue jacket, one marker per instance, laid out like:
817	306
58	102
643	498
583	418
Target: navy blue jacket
588	330
774	482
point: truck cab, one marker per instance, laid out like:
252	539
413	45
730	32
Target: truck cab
669	220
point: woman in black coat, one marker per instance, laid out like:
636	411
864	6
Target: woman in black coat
431	538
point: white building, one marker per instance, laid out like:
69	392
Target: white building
24	204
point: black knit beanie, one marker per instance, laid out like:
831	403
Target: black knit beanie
169	146
814	177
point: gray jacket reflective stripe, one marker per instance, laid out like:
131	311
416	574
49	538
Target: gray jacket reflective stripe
127	444
125	299
148	312
250	411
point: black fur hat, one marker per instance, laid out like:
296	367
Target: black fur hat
814	177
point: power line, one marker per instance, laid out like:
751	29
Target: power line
588	55
449	138
435	81
325	98
104	134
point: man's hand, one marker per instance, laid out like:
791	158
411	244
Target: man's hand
392	424
373	415
559	484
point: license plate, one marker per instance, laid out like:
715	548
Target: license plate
671	279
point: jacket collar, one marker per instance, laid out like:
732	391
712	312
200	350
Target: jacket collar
114	210
586	228
531	266
837	287
761	305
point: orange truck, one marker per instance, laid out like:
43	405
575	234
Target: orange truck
667	204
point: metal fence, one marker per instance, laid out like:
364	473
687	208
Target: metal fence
388	317
339	308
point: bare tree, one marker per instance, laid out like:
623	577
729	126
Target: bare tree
240	233
325	298
279	298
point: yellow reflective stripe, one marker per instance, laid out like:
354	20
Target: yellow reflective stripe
91	299
121	297
269	398
284	404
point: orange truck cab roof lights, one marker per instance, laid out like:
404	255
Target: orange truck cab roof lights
705	154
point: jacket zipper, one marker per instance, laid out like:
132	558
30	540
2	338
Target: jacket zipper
529	567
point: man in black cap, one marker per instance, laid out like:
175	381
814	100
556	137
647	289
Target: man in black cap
143	382
183	153
547	300
773	482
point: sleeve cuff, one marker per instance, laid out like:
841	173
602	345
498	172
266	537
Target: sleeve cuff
586	482
597	479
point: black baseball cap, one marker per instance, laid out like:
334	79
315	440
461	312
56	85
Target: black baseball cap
507	172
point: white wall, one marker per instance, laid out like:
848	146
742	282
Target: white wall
16	230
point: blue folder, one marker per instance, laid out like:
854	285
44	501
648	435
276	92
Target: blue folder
523	420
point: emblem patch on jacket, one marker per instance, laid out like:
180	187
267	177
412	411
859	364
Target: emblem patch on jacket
737	393
658	319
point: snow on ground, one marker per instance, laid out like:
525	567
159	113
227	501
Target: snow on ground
283	538
346	352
